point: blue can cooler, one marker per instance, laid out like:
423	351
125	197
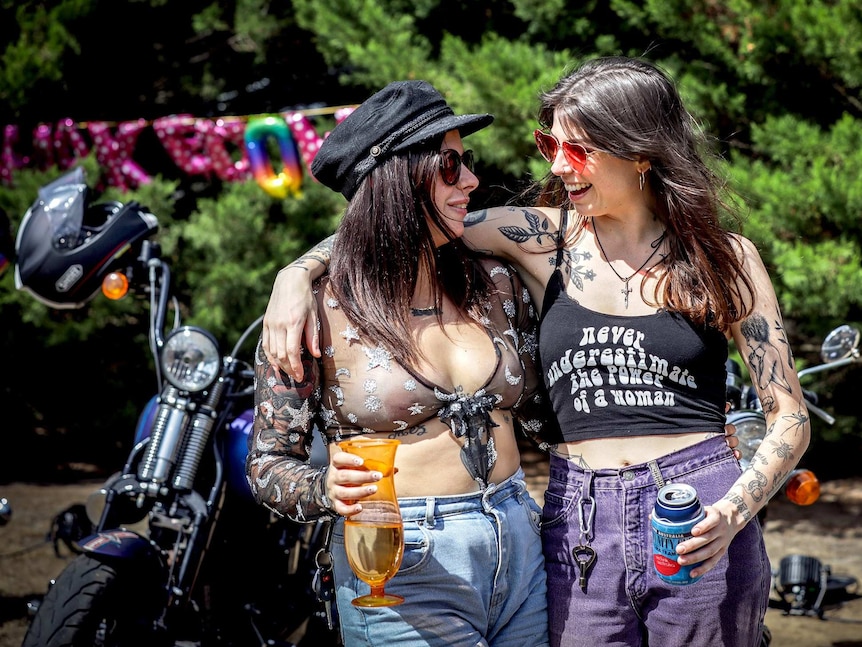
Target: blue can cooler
677	510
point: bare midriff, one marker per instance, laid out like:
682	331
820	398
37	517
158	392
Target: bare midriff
618	453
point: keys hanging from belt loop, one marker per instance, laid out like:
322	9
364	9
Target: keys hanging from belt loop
584	554
323	582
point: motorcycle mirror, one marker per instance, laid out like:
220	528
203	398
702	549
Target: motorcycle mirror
839	344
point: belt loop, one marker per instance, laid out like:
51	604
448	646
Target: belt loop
430	504
487	493
656	474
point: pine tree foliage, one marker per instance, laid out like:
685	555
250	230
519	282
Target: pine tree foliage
232	246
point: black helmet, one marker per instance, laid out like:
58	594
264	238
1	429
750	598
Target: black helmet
65	246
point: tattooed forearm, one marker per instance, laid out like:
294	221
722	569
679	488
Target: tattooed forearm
777	480
756	485
741	506
772	462
764	344
782	449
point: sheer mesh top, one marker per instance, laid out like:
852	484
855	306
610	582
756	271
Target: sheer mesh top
358	386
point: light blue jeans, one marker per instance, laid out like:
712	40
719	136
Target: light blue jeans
472	575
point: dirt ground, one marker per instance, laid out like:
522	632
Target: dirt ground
830	530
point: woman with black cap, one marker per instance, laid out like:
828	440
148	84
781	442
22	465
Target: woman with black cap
428	343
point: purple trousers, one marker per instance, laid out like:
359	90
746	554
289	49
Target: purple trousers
625	602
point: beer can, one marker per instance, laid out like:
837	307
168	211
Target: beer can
677	510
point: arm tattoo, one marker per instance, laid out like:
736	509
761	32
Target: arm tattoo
783	450
475	217
320	253
778	448
537	229
756	486
765	357
800	419
741	507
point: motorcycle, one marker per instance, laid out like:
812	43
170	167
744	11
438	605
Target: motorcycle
180	553
801	582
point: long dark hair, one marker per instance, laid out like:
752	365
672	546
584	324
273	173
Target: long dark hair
631	109
383	244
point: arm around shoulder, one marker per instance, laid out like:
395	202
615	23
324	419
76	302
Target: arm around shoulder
508	232
291	314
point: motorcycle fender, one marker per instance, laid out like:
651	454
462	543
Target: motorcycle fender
120	544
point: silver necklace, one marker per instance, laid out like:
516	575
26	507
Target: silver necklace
626	290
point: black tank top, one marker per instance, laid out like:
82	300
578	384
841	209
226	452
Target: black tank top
615	376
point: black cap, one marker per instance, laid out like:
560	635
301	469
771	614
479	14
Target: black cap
401	115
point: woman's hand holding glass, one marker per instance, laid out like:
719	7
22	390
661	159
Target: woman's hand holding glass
374	536
348	481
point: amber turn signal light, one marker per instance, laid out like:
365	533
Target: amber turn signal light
802	487
115	285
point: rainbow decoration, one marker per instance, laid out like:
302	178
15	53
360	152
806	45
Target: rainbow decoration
257	131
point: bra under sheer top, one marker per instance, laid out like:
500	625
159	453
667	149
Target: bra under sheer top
364	388
618	376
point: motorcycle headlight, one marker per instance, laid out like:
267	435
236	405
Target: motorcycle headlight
190	359
750	430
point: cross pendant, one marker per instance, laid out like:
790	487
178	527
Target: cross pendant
626	291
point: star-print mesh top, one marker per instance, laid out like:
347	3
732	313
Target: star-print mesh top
359	387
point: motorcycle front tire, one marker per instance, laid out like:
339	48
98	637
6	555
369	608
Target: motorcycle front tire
93	603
